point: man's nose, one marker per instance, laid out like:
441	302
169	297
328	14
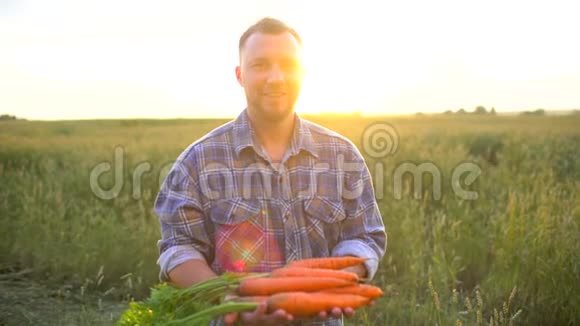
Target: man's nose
275	74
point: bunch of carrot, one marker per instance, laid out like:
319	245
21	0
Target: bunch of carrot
306	287
303	288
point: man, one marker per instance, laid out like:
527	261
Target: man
269	187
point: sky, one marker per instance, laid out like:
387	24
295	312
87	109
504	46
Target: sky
106	59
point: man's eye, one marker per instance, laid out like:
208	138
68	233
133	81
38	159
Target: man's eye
259	65
291	66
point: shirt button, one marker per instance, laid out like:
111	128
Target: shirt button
264	212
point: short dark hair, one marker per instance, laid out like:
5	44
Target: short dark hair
268	25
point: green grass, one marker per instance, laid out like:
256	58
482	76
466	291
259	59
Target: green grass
449	261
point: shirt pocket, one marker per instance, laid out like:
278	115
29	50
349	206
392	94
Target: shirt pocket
323	224
234	211
241	240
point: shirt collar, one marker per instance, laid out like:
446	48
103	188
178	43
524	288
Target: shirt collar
244	136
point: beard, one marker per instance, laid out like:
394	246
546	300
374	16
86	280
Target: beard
273	110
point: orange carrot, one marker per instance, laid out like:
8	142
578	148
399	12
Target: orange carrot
302	304
365	290
272	285
314	272
328	262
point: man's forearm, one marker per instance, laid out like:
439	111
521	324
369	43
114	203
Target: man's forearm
190	273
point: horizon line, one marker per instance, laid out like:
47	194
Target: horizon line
548	112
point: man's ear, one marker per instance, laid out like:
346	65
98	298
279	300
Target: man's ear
239	75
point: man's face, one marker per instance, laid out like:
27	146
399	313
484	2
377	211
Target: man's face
271	73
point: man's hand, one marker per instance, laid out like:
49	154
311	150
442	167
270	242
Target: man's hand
260	316
336	313
280	317
348	312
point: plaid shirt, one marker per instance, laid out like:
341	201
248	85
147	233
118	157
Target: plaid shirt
225	201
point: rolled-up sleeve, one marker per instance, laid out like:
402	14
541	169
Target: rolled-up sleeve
363	232
184	233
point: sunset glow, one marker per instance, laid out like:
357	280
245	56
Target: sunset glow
132	59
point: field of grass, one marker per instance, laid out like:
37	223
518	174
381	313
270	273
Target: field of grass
510	256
